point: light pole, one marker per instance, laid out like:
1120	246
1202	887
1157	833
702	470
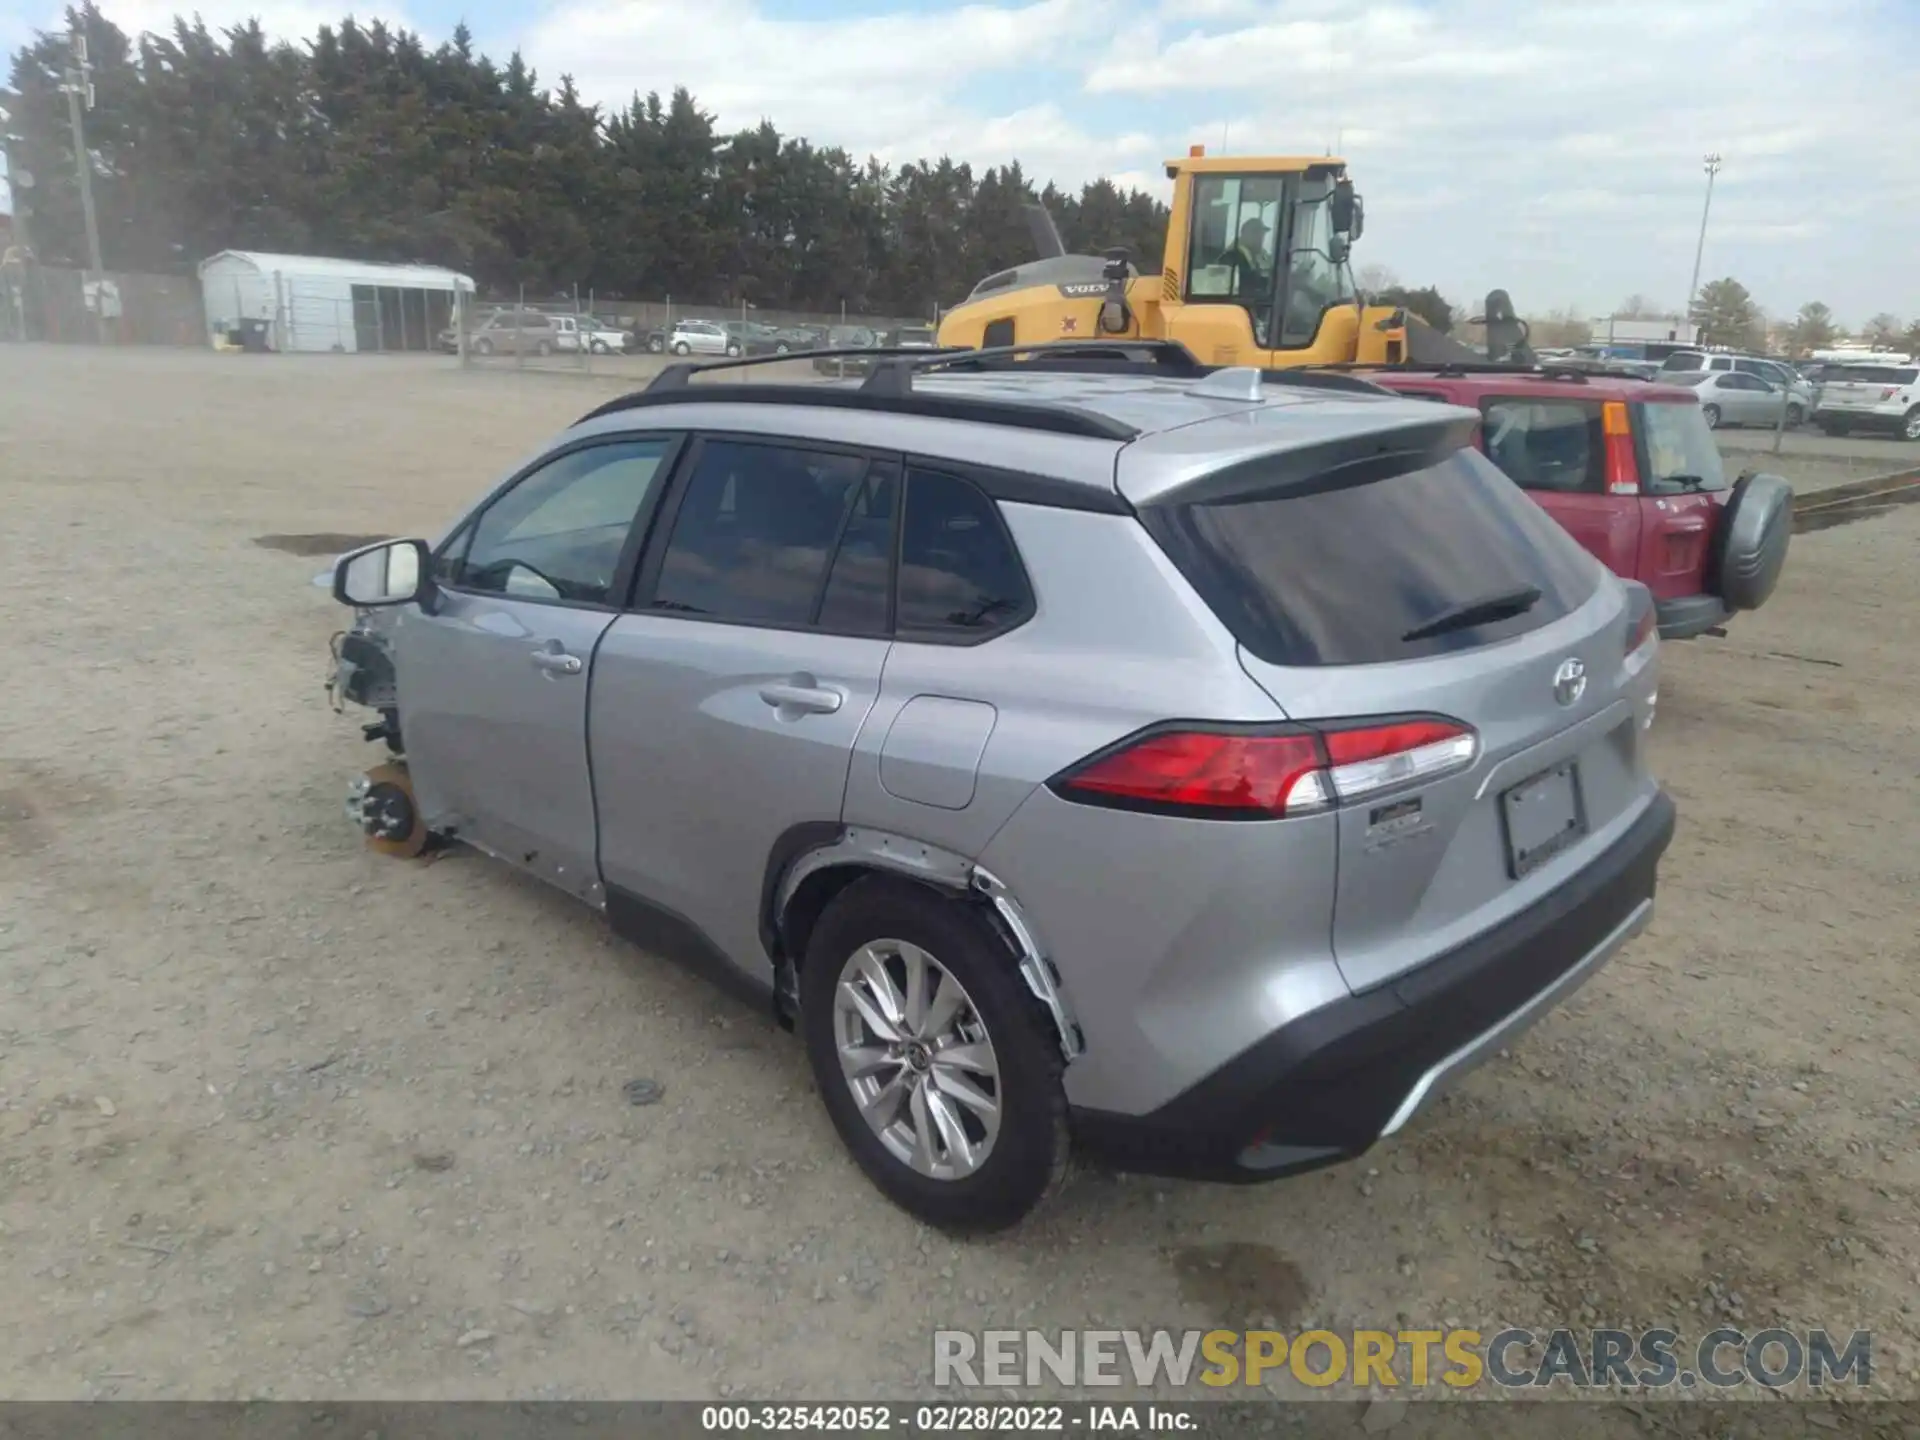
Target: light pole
79	87
1693	286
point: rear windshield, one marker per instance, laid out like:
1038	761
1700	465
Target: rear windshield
1677	453
1873	374
1345	576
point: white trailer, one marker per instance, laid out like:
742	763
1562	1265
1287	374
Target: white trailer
316	304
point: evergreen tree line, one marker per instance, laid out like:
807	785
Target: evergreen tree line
365	143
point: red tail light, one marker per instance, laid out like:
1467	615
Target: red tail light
1622	465
1263	775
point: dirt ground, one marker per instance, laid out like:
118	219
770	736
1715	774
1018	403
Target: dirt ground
280	1118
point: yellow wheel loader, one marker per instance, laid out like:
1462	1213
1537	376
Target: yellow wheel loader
1255	273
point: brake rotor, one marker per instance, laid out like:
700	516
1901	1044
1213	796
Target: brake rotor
389	816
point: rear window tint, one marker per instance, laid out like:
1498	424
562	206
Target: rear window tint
1342	576
1677	453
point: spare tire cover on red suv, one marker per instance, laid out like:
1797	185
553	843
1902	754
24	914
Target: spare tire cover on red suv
1751	545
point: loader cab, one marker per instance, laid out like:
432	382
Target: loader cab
1259	249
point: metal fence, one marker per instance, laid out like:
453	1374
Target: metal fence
48	303
584	332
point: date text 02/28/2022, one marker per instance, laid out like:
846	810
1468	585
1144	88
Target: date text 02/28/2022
948	1419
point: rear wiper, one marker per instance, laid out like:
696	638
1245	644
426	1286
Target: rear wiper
1685	482
1484	611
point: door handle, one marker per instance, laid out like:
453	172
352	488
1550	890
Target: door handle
812	699
556	662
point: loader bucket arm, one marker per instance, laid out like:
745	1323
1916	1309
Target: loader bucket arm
1428	346
1506	338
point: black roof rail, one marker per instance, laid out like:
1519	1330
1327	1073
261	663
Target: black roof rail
677	375
889	386
994	410
1105	356
1124	356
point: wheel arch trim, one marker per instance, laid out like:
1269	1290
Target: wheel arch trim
863	848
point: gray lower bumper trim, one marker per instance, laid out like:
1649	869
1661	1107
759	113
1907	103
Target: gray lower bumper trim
1486	1043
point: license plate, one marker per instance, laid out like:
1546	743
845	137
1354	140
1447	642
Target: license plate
1542	817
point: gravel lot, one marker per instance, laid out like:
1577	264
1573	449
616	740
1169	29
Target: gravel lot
282	1118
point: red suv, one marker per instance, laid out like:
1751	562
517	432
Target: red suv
1631	471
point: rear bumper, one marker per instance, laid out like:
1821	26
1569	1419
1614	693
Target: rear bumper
1690	615
1325	1087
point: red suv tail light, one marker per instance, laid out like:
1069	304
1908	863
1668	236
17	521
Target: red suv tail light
1622	465
1263	774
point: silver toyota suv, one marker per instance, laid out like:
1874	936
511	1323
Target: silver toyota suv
1078	745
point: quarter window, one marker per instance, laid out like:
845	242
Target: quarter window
559	532
959	573
753	532
1546	445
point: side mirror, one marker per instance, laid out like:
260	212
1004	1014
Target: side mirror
1344	210
394	572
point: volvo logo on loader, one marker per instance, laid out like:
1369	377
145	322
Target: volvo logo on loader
1569	681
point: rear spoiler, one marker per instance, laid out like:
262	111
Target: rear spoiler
1360	456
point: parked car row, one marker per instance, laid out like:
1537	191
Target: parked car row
1742	389
535	332
1864	392
906	337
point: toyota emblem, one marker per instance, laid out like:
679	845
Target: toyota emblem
1569	681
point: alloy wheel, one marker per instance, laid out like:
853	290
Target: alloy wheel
917	1058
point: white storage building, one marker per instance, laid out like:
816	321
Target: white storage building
312	303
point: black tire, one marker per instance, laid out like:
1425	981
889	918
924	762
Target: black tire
656	345
781	348
1910	427
543	348
733	351
681	347
600	347
1750	546
1796	417
1712	414
1028	1162
483	347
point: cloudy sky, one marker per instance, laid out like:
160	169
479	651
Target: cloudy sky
1546	147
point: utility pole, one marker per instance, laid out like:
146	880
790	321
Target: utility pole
1693	287
79	88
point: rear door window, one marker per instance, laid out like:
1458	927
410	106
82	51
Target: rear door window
1553	445
858	599
755	525
1392	569
1677	452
